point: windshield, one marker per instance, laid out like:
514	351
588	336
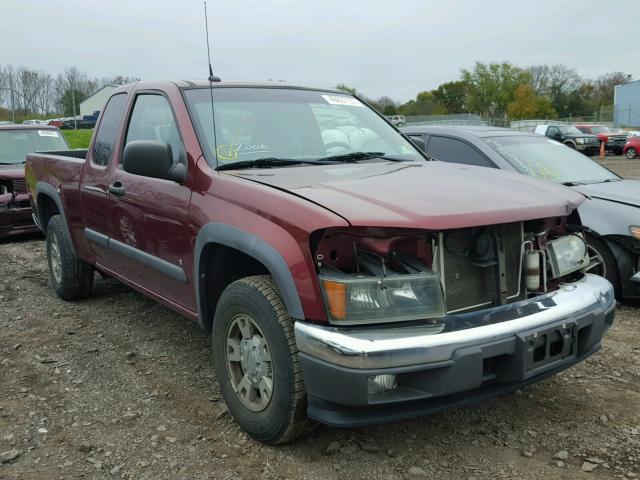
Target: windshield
569	130
257	123
15	144
549	160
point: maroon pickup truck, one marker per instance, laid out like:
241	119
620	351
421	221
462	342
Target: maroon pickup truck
345	278
16	141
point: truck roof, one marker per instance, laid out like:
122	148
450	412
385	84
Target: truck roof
222	84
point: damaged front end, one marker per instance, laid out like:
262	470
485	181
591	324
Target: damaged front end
15	208
432	319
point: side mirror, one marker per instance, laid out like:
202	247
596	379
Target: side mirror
150	158
419	142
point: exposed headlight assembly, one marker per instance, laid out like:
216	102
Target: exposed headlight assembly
567	254
360	300
635	231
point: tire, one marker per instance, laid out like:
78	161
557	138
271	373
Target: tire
273	418
71	277
631	153
570	145
610	271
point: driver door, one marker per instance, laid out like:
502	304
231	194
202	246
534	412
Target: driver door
148	217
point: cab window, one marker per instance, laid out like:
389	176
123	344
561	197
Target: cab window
152	119
456	151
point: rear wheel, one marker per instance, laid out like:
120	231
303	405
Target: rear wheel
631	153
256	361
71	277
607	267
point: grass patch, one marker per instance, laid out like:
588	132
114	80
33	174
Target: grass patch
78	138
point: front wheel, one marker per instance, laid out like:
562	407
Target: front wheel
607	266
631	153
256	361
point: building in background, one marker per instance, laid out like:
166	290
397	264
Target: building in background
95	101
626	104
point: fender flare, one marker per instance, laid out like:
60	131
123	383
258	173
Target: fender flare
43	188
253	246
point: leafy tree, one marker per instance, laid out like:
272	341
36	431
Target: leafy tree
490	87
425	103
451	96
346	88
526	104
67	100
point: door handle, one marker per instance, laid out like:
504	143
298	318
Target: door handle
117	189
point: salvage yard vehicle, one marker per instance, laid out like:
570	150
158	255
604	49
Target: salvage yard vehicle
571	137
631	147
349	288
15	142
614	139
612	216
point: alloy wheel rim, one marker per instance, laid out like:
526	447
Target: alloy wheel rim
249	363
631	153
597	261
56	261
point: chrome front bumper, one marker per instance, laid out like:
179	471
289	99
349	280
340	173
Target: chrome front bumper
400	346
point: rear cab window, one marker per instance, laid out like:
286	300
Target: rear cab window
108	129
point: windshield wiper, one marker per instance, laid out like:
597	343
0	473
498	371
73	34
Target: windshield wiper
357	156
12	163
266	162
572	184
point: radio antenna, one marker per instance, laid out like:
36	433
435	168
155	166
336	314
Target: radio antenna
212	77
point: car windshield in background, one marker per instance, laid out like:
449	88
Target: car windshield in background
16	144
569	130
292	124
547	159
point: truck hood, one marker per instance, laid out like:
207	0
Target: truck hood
12	171
427	195
621	191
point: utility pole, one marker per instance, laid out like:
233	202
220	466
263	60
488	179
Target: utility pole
73	100
13	107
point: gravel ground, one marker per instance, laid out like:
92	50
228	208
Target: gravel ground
117	386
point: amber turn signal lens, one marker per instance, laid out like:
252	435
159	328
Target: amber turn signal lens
635	231
336	294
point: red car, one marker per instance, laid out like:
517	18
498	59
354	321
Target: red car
614	138
632	147
343	276
16	141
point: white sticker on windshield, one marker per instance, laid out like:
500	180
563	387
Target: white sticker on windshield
342	100
48	133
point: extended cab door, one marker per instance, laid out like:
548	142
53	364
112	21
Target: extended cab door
94	182
150	238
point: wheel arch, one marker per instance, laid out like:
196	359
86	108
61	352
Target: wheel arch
48	203
236	253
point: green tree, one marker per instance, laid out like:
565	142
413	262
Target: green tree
346	88
526	104
425	103
490	87
451	96
67	101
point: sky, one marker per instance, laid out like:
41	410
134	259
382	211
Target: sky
392	48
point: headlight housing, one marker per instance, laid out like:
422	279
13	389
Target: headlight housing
360	300
635	231
580	140
567	254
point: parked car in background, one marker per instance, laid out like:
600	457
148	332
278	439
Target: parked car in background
397	120
612	215
571	137
34	122
16	141
614	138
352	283
631	147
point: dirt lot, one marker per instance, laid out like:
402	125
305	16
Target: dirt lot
117	386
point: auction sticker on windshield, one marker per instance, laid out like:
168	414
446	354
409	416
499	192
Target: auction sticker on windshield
342	100
48	133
